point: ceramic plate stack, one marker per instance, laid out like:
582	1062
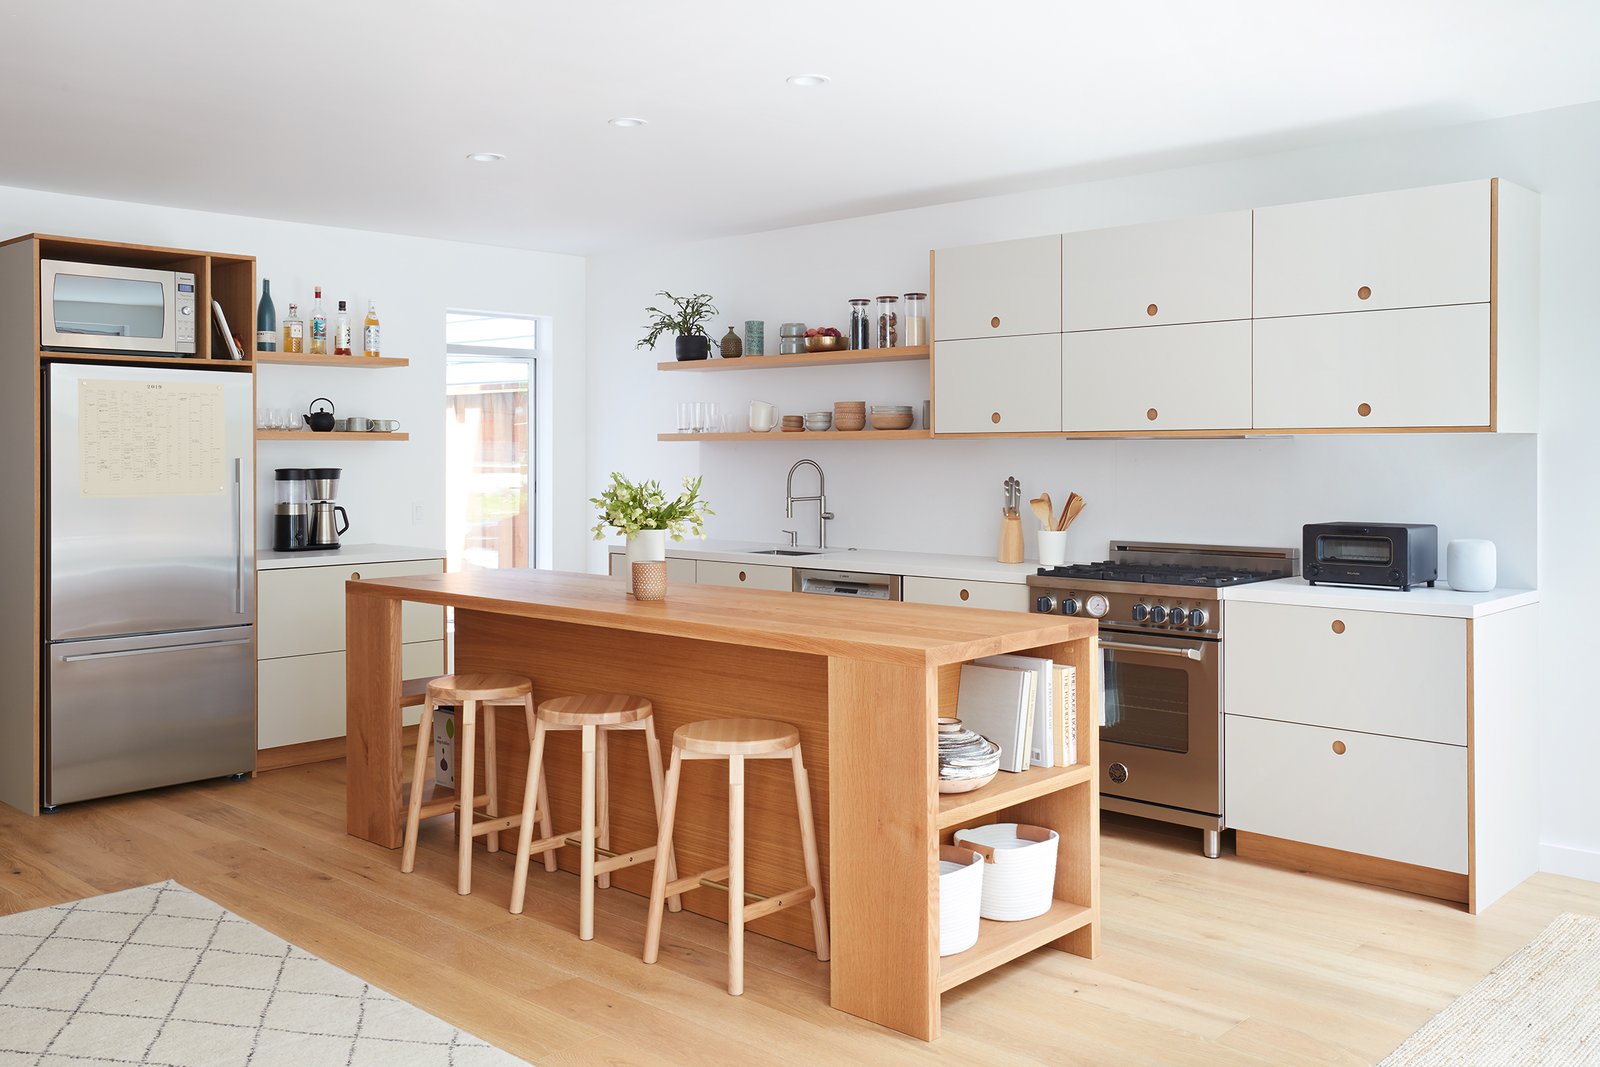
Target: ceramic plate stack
1019	872
960	896
967	759
849	414
891	416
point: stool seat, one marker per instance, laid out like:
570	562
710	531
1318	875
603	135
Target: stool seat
484	688
595	709
736	737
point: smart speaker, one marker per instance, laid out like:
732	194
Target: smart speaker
1470	565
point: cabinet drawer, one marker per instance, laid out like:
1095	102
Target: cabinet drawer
1401	675
301	698
998	385
744	575
1002	596
1377	796
1193	377
1186	270
301	609
678	570
1418	367
998	290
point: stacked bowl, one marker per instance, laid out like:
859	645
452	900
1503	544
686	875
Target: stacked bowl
818	421
793	423
891	416
849	414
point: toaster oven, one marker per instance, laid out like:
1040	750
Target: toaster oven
1395	555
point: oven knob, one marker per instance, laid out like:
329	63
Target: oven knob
1069	605
1045	604
1178	616
1199	617
1158	614
1141	612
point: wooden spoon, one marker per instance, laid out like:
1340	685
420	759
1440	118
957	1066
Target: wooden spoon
1061	523
1041	509
1074	508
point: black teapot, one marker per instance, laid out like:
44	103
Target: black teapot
320	421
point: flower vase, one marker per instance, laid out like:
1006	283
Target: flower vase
646	546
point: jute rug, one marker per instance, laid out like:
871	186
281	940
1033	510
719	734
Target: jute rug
1540	1006
162	976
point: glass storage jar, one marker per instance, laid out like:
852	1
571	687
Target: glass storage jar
860	323
888	322
914	319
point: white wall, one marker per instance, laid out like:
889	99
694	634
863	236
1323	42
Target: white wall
413	280
944	495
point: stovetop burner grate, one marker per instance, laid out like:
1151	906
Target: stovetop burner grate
1156	574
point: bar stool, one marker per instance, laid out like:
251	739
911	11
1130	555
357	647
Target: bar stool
737	740
596	715
467	692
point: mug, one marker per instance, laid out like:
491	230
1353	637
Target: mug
384	425
357	424
763	416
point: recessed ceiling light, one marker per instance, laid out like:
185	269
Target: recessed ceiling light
627	122
807	81
485	157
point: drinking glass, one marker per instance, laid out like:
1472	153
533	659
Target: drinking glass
713	417
685	416
264	418
699	423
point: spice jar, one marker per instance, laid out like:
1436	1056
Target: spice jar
916	318
860	323
888	322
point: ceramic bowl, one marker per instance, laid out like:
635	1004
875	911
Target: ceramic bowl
891	422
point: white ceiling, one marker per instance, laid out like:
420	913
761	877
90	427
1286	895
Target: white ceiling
360	112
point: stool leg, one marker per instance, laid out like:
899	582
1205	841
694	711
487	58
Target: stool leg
543	797
736	875
808	846
533	789
466	716
652	749
419	770
658	878
603	795
490	774
586	840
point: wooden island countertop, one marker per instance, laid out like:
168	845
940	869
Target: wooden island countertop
863	681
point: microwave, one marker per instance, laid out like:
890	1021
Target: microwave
1394	555
92	307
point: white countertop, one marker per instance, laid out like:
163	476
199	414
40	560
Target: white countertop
1420	600
866	560
343	556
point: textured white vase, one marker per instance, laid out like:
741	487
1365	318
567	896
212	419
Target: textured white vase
646	546
1471	565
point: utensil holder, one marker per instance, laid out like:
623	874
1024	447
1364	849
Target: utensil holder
1052	548
1010	539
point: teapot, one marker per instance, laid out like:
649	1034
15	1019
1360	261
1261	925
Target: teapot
320	421
763	416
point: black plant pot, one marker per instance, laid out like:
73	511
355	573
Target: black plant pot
696	346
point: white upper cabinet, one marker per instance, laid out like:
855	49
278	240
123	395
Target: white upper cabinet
1185	270
998	385
1191	377
998	290
1411	248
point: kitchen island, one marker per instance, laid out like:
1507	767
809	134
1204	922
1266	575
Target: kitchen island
863	682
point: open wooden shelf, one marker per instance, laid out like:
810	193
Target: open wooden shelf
311	435
1002	942
1007	790
806	435
802	359
187	363
305	359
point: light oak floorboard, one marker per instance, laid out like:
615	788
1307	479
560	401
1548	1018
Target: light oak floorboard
1204	962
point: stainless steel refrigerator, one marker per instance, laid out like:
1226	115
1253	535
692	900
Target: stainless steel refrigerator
149	574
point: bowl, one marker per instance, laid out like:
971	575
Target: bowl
827	344
848	425
891	422
819	422
792	329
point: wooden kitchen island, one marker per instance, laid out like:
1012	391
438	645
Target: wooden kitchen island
863	681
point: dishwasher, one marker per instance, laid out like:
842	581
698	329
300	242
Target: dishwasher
848	583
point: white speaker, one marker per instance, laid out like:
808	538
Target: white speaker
1470	565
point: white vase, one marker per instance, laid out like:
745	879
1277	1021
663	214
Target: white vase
646	546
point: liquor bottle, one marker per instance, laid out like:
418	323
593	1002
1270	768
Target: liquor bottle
319	326
266	320
369	331
294	331
341	332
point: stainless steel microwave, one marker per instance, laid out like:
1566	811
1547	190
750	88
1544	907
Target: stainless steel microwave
93	307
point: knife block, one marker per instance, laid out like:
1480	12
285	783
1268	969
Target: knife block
1010	539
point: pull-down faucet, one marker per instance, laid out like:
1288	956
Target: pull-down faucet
823	514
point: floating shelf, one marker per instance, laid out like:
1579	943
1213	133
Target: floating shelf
311	435
807	435
304	359
190	363
803	359
1002	942
1007	790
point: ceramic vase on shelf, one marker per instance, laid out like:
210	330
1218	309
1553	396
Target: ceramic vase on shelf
732	347
647	546
755	341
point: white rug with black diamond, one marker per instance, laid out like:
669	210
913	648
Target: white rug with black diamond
162	976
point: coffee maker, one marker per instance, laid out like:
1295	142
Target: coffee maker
291	519
328	520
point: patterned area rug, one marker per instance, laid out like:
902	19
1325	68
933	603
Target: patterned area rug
1540	1006
162	976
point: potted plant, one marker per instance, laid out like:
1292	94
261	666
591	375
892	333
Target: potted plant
685	317
641	513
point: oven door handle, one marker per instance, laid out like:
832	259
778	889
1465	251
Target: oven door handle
1154	650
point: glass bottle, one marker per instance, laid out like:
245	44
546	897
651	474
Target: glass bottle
319	326
369	332
341	331
266	320
888	322
860	323
914	319
294	331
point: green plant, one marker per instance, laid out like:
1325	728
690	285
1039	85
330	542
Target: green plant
685	317
629	507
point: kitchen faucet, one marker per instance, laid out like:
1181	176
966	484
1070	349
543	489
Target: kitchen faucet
823	514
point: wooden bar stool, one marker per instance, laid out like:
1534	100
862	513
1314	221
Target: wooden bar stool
596	715
466	693
737	740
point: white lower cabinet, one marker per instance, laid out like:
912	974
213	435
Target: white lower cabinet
1189	377
302	697
1388	797
678	570
1001	596
998	385
744	575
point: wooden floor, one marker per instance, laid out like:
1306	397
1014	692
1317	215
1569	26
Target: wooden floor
1205	961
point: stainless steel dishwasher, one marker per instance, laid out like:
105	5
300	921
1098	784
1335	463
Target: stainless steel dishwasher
848	583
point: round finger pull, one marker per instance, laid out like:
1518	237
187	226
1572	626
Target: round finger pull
1363	410
1338	626
1151	310
995	322
1338	748
1152	414
995	418
355	576
965	595
741	576
1364	292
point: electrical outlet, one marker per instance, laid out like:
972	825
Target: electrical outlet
416	512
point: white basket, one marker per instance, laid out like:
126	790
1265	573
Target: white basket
1019	870
960	891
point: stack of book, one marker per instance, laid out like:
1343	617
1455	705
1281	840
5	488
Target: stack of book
1026	705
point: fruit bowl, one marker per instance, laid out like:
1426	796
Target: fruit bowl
827	344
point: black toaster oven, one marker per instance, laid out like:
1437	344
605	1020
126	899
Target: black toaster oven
1394	555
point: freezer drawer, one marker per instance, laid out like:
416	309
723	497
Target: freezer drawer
130	713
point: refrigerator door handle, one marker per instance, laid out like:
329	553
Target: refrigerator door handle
238	538
122	652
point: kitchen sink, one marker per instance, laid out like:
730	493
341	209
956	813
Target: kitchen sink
788	552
